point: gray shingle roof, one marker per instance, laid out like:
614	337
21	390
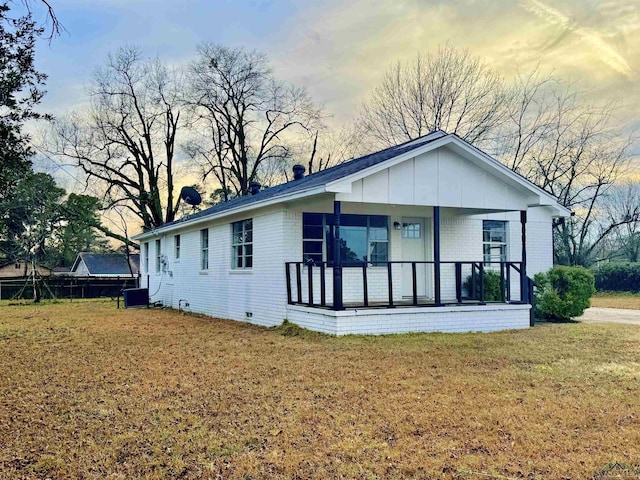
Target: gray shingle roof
110	263
316	179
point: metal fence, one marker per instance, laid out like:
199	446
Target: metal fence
65	287
396	283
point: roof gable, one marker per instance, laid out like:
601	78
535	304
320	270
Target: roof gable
474	156
438	177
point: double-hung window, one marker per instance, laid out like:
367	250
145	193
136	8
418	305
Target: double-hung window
242	244
494	241
176	247
204	249
158	256
313	237
146	257
363	238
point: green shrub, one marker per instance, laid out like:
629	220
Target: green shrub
491	287
618	277
563	292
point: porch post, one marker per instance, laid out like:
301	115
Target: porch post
436	255
337	260
524	288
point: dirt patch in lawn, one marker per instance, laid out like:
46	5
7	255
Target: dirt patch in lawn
88	391
616	300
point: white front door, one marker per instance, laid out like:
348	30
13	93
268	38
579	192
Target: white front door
414	250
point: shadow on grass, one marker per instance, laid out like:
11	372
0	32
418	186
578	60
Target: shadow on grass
556	320
288	329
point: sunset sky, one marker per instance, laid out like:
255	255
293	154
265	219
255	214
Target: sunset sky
339	49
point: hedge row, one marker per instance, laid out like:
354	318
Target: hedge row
618	277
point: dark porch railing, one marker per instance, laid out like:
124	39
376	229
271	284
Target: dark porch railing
307	283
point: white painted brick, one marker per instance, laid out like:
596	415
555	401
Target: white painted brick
404	320
223	292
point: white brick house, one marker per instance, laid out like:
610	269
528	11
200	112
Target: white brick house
396	241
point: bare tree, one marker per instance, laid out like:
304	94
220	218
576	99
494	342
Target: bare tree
532	111
447	90
52	21
125	142
246	113
622	208
333	146
573	149
316	149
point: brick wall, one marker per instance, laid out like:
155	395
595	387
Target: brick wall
403	320
257	295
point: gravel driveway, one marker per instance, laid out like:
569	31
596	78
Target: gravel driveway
616	315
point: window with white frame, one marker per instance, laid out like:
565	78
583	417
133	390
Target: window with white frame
176	247
242	244
146	257
494	241
411	230
363	238
158	256
204	249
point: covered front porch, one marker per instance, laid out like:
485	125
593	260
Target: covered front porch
408	284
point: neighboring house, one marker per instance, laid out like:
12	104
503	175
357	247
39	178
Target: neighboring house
21	269
395	241
61	271
105	265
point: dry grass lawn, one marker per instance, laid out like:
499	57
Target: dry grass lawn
88	391
619	300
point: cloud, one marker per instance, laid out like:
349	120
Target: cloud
339	49
605	51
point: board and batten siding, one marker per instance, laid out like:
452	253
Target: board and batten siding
440	177
256	295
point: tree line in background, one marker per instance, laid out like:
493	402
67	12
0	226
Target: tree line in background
225	118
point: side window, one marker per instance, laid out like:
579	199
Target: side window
204	249
494	241
146	257
158	256
378	239
242	244
313	233
176	245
